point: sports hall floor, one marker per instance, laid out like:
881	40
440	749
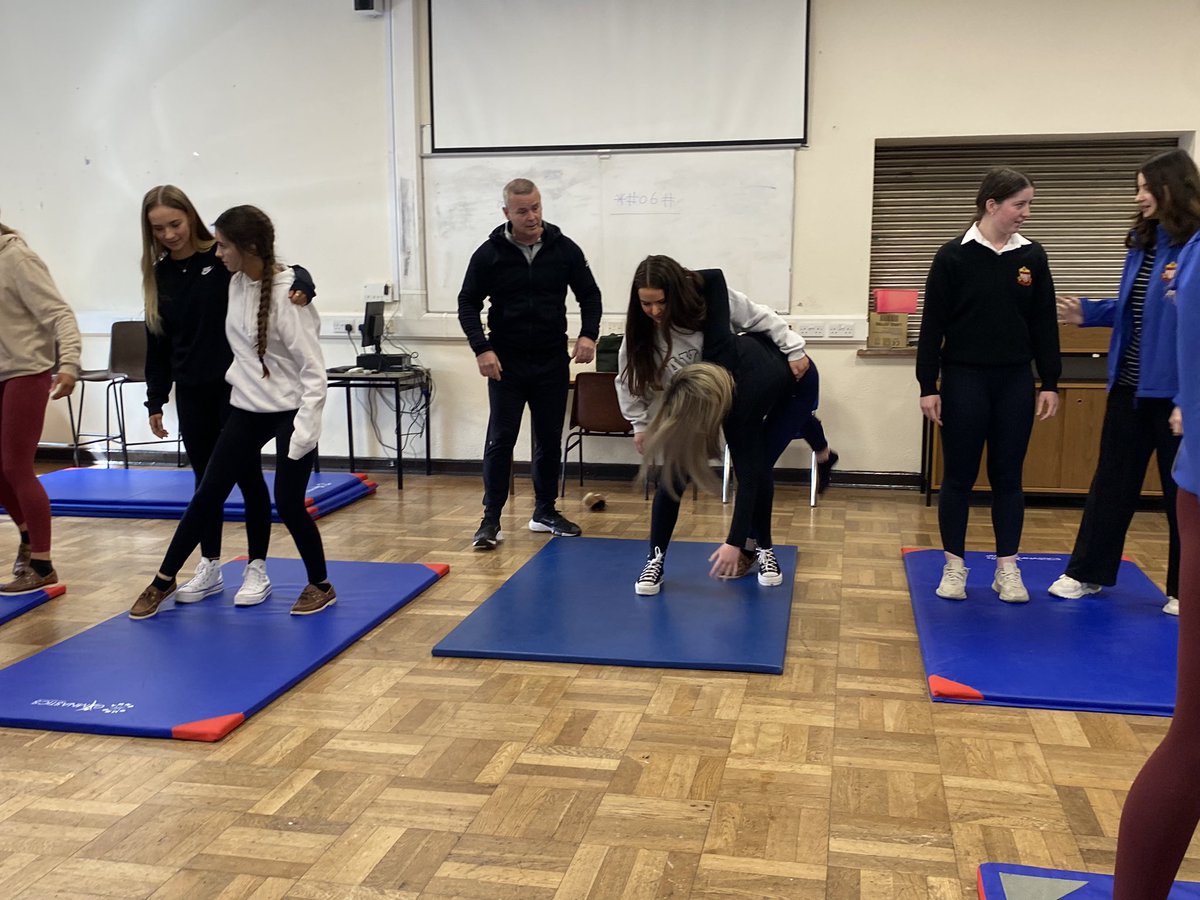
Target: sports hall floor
392	774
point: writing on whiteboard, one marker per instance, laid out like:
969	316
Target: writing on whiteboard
653	203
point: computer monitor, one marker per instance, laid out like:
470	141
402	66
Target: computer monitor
373	326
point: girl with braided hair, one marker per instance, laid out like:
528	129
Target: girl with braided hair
277	381
186	293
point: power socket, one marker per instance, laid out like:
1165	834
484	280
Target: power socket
840	329
340	326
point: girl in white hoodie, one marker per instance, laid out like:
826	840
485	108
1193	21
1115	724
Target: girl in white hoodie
278	391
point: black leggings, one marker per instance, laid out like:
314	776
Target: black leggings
1163	805
203	410
792	418
237	457
992	406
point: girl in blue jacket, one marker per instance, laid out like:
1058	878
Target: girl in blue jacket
1163	805
1142	377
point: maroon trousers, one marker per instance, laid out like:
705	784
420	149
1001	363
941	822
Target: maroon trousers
1163	805
22	412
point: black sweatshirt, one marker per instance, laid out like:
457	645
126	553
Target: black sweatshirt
193	295
528	311
988	310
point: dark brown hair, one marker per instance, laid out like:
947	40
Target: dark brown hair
1172	178
999	184
250	230
682	289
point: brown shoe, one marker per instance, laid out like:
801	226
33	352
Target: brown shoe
21	566
150	600
29	581
313	600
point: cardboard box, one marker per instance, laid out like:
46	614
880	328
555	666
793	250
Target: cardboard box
887	331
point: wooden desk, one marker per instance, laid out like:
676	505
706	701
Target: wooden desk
415	379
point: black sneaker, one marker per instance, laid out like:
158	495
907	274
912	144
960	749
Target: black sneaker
651	578
825	472
555	523
488	535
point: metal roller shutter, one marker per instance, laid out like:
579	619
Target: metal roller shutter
924	195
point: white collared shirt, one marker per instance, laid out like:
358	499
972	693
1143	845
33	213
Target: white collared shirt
974	234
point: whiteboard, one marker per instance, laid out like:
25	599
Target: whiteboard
731	210
554	75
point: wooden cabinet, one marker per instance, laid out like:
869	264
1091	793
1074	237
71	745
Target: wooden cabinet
1063	450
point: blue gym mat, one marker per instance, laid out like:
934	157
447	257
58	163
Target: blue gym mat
1109	652
197	671
574	602
1001	881
13	605
164	493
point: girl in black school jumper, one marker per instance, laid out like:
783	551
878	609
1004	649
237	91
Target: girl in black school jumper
989	310
277	379
675	317
186	292
701	400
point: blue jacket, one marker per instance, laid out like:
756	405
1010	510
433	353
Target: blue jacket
1187	301
1157	375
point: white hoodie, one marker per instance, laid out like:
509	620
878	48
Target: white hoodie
293	358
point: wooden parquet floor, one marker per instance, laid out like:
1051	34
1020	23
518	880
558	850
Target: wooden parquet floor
392	774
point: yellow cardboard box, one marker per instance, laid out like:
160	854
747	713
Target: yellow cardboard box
886	331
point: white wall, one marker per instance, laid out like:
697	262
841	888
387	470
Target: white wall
922	69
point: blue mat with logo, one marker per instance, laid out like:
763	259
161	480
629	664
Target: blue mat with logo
197	671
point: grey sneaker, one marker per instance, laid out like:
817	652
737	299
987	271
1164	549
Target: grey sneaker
1008	584
206	582
953	585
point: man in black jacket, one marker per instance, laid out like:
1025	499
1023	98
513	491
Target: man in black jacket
524	268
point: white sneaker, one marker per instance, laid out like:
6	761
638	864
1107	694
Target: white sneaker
1172	607
953	585
1008	584
1070	589
206	582
651	578
769	574
256	586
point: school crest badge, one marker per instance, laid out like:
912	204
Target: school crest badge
1024	277
1168	274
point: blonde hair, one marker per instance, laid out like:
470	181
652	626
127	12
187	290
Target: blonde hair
152	251
685	433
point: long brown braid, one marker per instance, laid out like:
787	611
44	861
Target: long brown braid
250	230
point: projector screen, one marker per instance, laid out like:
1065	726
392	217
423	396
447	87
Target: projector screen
528	75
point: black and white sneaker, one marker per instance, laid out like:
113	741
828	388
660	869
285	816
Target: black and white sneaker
488	535
651	578
769	573
555	523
